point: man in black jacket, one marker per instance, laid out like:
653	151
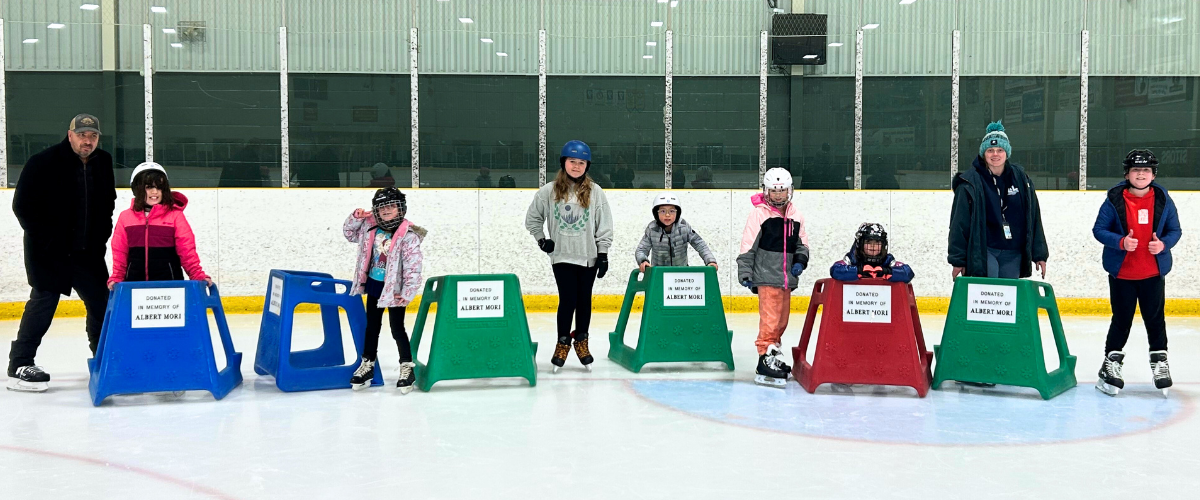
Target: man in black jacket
996	224
64	202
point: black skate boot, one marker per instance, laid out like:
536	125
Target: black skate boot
1110	381
28	379
774	351
408	377
769	371
1162	373
581	350
363	375
560	353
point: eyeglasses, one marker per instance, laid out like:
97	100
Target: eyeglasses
667	211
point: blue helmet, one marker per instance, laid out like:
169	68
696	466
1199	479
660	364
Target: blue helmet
576	149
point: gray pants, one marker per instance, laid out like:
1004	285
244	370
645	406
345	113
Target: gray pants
1003	263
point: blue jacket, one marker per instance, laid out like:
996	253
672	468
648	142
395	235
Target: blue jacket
1111	226
847	268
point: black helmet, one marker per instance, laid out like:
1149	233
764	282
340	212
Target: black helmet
870	231
1141	158
384	197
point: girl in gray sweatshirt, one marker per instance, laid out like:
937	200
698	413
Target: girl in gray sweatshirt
571	221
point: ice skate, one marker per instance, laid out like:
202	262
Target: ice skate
769	371
363	375
1110	381
28	379
1162	373
581	350
560	353
408	377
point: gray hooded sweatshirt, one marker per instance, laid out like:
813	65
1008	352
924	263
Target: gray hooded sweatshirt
578	233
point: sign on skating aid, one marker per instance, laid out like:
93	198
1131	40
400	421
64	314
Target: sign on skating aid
869	334
683	319
683	289
480	299
323	367
157	308
156	338
276	301
480	330
866	304
991	303
992	335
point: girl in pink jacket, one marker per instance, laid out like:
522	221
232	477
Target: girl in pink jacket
152	240
773	253
388	270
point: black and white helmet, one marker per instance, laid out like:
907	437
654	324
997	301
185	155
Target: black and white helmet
386	197
1141	158
870	231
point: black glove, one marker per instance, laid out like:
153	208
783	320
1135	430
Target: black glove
601	264
547	245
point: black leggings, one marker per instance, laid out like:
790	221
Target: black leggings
375	323
574	298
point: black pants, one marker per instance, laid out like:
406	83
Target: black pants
375	323
1125	296
574	297
90	284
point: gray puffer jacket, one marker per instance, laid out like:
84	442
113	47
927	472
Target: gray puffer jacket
661	248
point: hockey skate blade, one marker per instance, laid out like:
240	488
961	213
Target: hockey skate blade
16	384
588	367
555	369
359	387
1110	390
405	390
1165	389
764	380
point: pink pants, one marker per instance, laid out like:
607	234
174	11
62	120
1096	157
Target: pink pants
774	308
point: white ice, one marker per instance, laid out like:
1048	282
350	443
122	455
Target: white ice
672	431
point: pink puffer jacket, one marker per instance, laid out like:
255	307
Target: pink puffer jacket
402	280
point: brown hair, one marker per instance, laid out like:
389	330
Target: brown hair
151	179
563	183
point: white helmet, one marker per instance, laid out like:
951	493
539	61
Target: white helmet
666	198
777	178
144	166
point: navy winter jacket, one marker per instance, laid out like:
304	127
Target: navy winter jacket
1111	226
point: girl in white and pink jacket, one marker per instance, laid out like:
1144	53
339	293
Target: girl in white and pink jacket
388	270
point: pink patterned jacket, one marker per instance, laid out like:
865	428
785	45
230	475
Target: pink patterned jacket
403	274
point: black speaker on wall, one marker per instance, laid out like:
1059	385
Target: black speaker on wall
798	38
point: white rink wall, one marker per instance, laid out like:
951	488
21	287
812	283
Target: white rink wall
244	233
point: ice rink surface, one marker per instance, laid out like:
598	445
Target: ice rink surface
672	431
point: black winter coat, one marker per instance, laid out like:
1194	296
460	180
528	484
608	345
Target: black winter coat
66	210
968	224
